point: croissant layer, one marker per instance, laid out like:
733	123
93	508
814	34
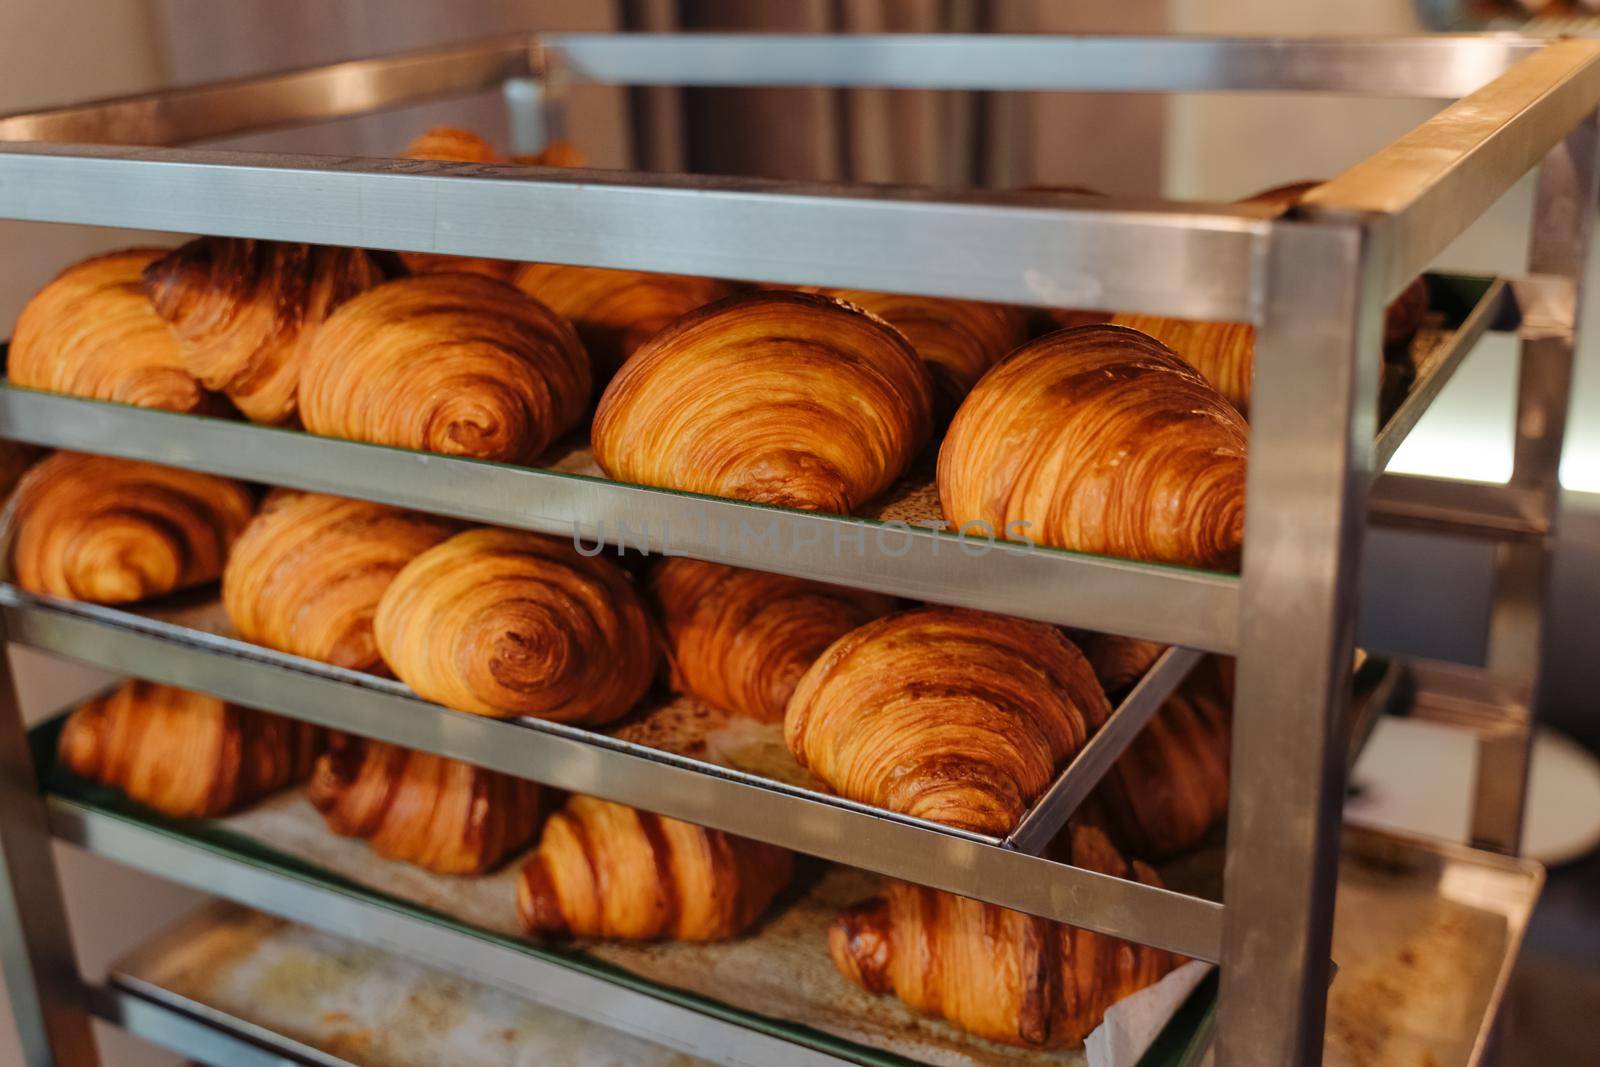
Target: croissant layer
115	530
93	332
956	716
958	340
616	311
1166	792
244	312
782	398
504	623
439	814
1101	440
740	639
188	755
1000	974
603	870
451	363
306	575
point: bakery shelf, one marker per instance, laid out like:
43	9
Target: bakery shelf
1198	609
1313	282
757	1000
176	650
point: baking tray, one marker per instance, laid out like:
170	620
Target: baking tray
777	980
320	999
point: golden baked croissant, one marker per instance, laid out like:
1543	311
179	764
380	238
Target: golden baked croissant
615	311
609	871
452	363
779	397
244	311
740	639
449	144
505	623
1170	787
117	530
1100	440
439	814
188	755
957	716
306	574
957	339
1223	352
999	974
93	332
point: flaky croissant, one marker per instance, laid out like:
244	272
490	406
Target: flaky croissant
449	144
453	363
188	755
117	530
779	397
93	332
615	311
957	716
1170	787
439	814
607	871
740	639
244	311
1223	352
957	339
504	623
999	974
306	574
1100	440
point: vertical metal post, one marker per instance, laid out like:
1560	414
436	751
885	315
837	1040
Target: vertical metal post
536	106
41	972
1558	252
1313	418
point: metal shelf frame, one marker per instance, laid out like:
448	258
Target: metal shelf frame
1314	283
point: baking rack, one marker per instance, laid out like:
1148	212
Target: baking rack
1314	283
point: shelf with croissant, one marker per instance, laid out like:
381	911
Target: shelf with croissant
915	446
399	848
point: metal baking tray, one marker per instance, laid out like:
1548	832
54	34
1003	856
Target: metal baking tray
751	999
315	998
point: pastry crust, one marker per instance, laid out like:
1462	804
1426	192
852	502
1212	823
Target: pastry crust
782	398
1100	440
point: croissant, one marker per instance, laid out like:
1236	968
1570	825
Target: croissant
505	623
244	312
958	340
741	639
187	755
1170	787
1100	440
448	144
116	530
306	574
782	398
1223	352
956	716
999	974
92	332
607	871
439	814
615	311
452	363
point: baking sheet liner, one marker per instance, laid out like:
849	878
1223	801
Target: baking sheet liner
358	1004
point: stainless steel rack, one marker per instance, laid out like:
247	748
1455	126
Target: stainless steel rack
1314	284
